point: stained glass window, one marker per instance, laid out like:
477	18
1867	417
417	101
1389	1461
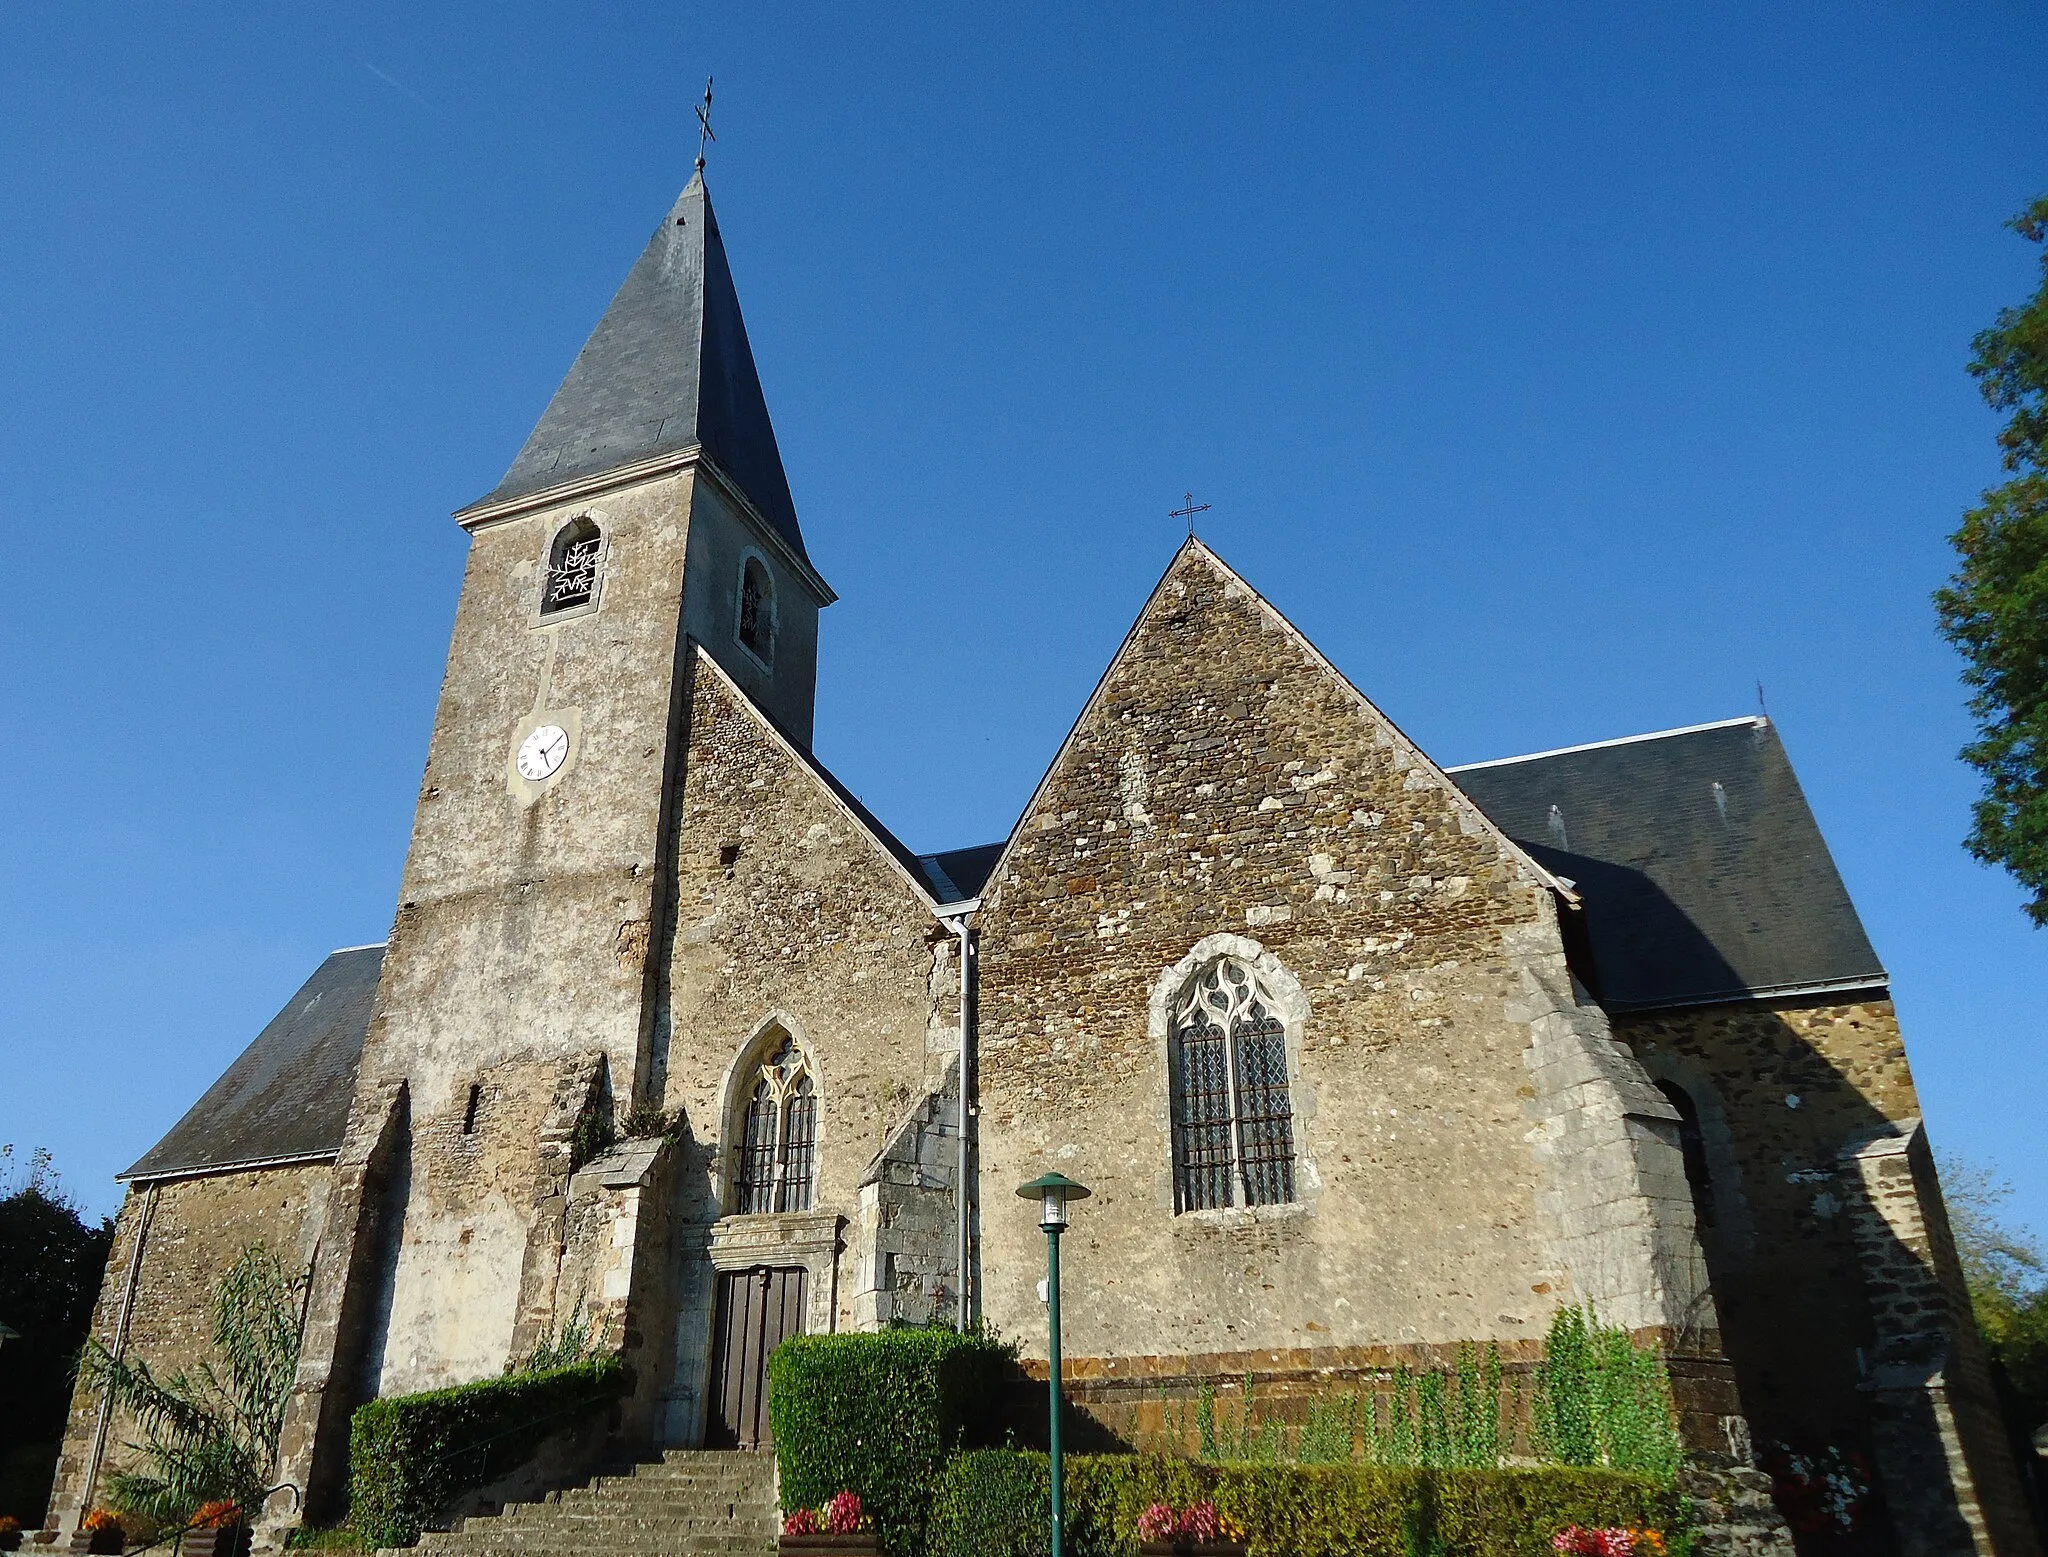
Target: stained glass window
1233	1117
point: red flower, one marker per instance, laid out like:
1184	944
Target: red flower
842	1513
803	1521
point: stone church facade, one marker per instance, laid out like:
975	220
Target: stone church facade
1362	1057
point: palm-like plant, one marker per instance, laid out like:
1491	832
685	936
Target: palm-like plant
210	1434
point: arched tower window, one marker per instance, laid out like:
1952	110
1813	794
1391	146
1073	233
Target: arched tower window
1233	1118
757	610
1692	1146
572	567
778	1157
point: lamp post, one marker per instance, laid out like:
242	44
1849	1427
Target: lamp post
1052	1191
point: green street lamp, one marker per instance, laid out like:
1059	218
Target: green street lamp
1052	1191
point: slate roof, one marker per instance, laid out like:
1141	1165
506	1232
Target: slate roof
1703	873
288	1094
667	368
959	874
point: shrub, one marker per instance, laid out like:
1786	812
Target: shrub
1514	1513
1603	1400
997	1503
877	1415
411	1455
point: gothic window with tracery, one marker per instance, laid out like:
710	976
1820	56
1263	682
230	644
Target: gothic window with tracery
778	1158
757	610
1233	1117
572	567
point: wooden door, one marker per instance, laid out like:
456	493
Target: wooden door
757	1310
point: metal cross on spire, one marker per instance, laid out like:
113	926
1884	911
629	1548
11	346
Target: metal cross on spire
704	131
1188	513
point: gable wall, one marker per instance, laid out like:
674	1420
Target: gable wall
1224	780
812	924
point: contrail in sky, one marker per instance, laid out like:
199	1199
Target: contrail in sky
398	86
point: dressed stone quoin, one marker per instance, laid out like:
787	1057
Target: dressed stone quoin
1362	1057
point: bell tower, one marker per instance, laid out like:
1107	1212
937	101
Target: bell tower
517	1004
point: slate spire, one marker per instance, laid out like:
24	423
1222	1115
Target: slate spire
667	368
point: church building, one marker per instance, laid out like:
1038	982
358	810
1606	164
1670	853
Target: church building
1362	1057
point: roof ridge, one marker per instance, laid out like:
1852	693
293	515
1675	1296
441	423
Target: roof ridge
1759	720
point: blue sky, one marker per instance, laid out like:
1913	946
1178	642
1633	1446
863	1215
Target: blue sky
1563	372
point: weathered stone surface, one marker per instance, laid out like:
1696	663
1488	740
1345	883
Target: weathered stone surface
190	1231
1471	1147
791	919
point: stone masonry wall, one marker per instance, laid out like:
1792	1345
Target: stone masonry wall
1830	1286
1781	1087
193	1232
790	918
1472	1149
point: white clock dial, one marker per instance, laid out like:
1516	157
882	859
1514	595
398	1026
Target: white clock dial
541	753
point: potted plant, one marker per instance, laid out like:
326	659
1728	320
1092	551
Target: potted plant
217	1530
99	1532
10	1533
1195	1531
840	1527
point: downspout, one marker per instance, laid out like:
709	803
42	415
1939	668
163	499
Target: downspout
954	916
118	1349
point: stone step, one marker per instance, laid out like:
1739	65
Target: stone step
683	1478
627	1506
694	1521
643	1492
689	1503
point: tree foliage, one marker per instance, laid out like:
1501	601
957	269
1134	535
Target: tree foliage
212	1433
1995	608
2007	1275
51	1260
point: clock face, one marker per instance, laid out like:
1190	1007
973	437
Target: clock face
541	754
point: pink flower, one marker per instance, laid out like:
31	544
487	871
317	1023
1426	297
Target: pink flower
802	1522
1200	1523
1156	1523
842	1513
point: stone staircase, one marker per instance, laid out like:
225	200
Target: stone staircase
689	1503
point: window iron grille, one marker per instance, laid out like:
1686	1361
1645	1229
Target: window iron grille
572	573
1233	1116
777	1167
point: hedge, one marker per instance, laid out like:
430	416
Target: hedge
878	1415
997	1503
412	1455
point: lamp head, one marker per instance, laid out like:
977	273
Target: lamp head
1052	1191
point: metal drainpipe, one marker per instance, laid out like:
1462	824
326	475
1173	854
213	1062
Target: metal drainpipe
960	1172
119	1348
959	926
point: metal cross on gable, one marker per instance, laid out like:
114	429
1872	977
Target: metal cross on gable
704	130
1188	513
